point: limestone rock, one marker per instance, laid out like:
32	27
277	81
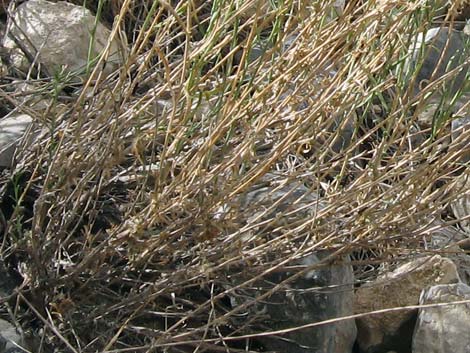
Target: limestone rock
443	235
337	8
461	206
61	34
460	127
337	131
455	243
271	196
462	260
12	129
446	328
316	295
27	94
439	51
249	9
9	337
402	287
466	28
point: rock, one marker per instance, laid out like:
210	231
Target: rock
442	235
446	328
258	7
318	295
461	205
9	337
427	51
337	8
402	287
336	132
12	129
297	202
61	32
261	8
448	238
307	298
302	306
466	28
27	94
462	260
459	125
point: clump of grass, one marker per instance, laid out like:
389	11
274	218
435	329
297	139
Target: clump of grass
127	249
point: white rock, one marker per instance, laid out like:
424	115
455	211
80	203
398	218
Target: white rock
270	197
262	7
28	95
436	53
466	29
248	10
461	206
401	287
61	33
443	329
10	335
308	298
12	129
337	8
443	235
460	128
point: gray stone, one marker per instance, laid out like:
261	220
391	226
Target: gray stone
402	287
313	295
446	328
462	260
28	95
16	350
262	7
443	46
9	336
435	53
461	205
442	235
466	29
336	132
460	128
455	242
60	33
317	295
12	129
248	10
273	201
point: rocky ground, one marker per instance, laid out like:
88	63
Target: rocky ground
165	188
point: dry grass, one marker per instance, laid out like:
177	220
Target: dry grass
116	225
